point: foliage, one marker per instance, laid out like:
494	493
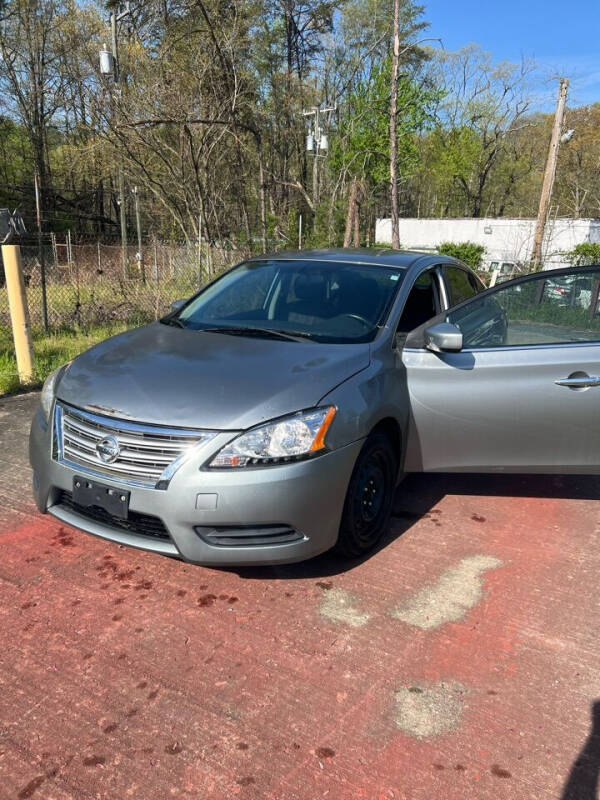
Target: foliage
584	254
577	189
361	143
481	112
208	122
469	253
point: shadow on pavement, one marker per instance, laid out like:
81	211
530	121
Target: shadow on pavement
418	494
582	783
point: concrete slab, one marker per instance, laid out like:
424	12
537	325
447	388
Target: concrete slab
459	661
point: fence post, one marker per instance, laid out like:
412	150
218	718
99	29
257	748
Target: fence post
155	261
69	253
54	251
19	312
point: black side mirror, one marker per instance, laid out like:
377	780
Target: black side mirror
177	304
443	338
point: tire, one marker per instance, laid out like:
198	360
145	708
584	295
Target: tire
369	498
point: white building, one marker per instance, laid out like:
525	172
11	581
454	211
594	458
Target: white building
506	241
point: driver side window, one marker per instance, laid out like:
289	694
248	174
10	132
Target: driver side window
545	309
421	303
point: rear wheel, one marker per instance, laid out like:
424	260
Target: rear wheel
369	498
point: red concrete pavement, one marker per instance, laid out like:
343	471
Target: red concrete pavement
459	661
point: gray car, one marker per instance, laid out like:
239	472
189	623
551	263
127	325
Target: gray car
270	417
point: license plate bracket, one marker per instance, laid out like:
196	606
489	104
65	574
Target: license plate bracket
88	493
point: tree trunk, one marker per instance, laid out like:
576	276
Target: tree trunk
350	213
357	203
263	205
393	132
352	233
242	200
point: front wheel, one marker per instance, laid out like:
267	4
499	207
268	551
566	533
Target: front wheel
368	503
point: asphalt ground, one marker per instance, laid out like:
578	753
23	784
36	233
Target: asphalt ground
461	660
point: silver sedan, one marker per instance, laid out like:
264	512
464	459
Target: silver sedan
270	417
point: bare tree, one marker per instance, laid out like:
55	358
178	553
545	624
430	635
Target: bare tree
483	105
30	75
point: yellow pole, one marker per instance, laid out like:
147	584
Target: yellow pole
19	312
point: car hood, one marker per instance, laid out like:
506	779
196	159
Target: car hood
171	376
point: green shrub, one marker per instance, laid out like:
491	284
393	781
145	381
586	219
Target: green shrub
469	253
584	254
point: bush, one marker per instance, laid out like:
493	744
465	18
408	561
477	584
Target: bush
584	254
467	252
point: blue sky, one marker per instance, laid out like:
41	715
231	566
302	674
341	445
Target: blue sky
562	37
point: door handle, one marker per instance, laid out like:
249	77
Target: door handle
579	381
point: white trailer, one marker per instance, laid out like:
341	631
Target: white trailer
508	242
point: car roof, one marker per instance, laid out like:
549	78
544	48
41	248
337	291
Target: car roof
401	259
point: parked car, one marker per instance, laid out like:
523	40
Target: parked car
570	290
270	417
559	289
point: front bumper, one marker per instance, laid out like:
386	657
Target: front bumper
307	496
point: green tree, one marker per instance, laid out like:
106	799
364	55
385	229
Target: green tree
361	147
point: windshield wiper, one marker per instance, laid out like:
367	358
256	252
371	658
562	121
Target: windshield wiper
293	336
174	321
296	336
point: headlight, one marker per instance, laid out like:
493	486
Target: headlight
49	388
288	439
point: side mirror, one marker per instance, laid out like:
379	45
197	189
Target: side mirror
177	304
443	338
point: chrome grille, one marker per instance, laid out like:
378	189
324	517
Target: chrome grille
148	455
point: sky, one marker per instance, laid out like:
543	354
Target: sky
562	37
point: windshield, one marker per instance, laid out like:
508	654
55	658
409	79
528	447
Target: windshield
318	300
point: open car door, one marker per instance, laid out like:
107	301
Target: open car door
510	380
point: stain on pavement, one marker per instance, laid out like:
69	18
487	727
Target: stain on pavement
424	711
447	600
340	606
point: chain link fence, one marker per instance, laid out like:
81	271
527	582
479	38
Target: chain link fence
88	285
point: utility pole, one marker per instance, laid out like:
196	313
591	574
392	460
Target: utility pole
122	217
109	63
316	141
550	173
315	175
138	224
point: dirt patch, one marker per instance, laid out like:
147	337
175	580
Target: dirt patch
449	599
430	710
340	606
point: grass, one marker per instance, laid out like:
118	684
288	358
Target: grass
50	351
85	306
81	316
